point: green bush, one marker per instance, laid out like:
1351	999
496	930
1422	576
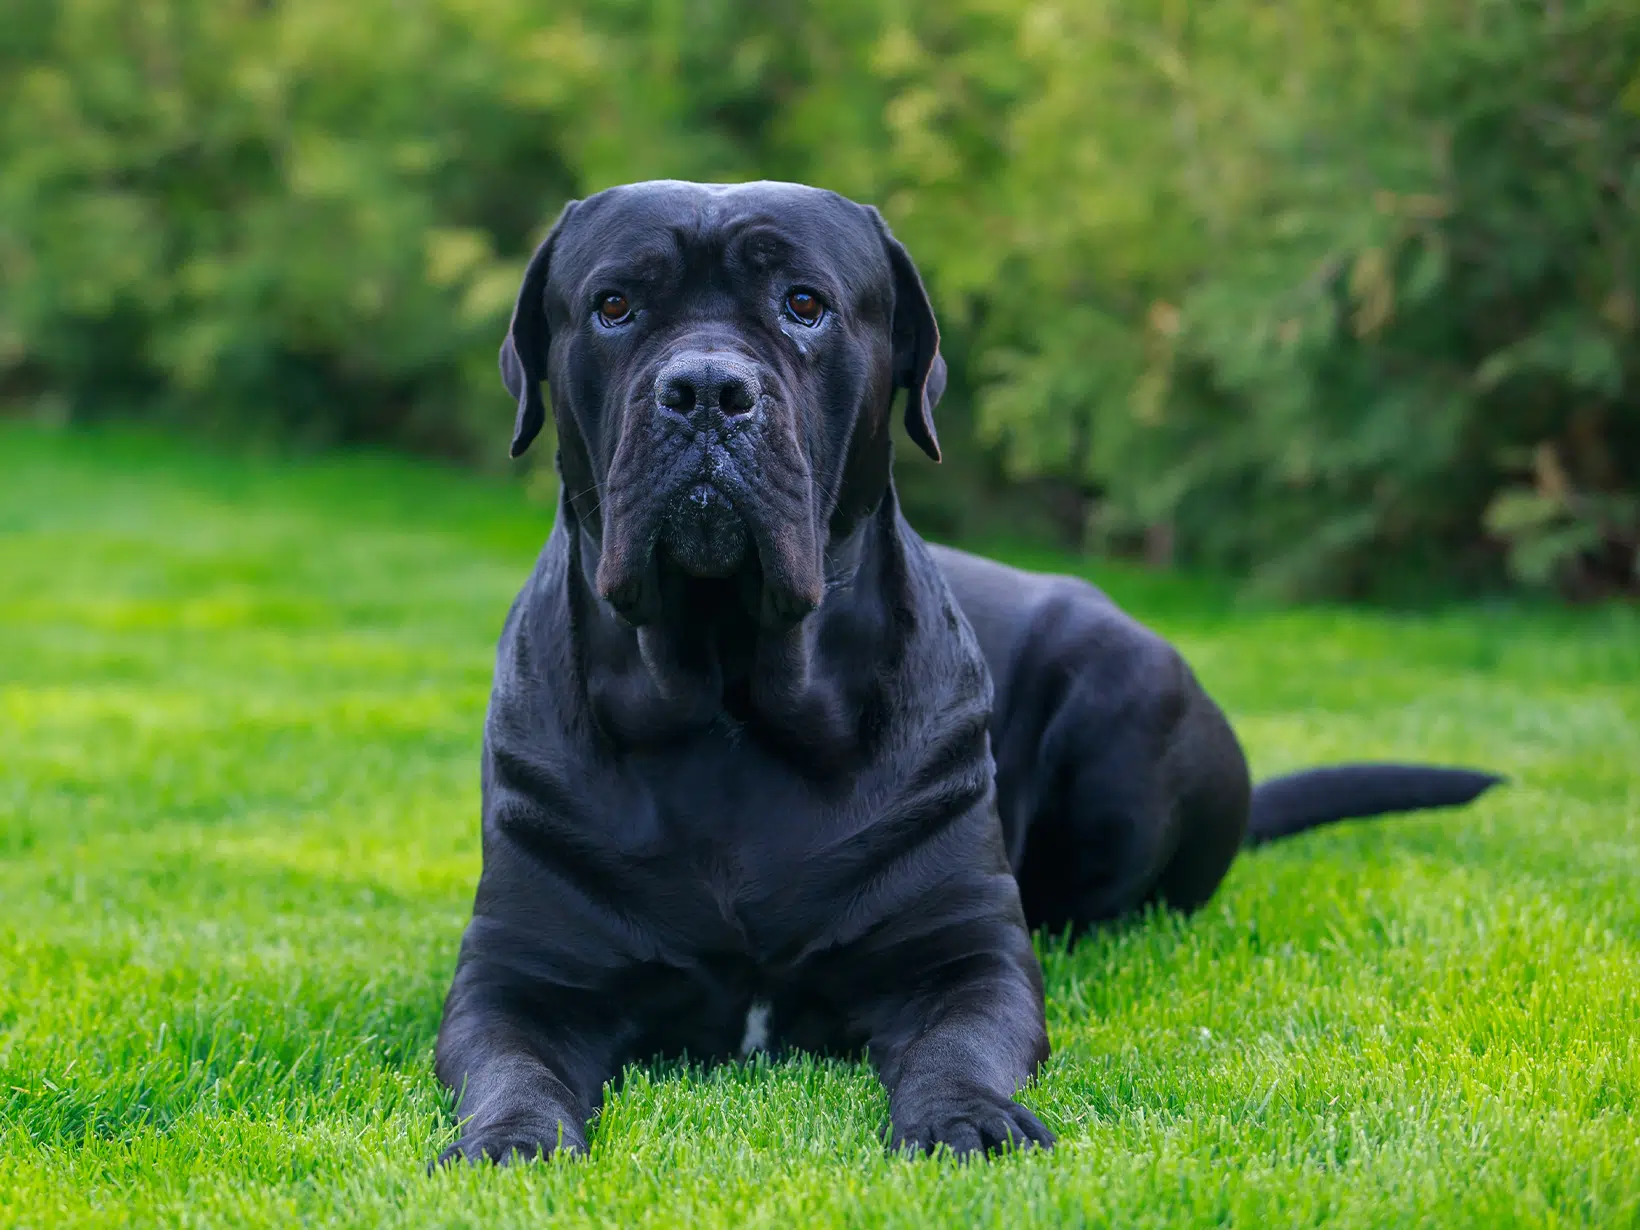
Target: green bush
1346	302
1338	297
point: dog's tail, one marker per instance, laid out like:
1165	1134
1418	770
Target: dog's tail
1287	805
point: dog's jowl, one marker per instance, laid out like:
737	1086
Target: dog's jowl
738	782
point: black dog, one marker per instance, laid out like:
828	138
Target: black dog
738	781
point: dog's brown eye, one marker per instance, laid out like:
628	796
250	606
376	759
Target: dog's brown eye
614	308
805	307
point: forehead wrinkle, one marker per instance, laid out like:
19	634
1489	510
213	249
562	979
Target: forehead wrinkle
717	238
768	243
761	243
642	267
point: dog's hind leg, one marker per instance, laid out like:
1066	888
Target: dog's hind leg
1147	802
1206	778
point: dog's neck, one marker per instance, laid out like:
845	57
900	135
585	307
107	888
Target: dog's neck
810	690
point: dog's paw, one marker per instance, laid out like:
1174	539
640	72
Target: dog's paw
967	1122
505	1145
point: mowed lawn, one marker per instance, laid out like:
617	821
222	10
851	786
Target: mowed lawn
240	706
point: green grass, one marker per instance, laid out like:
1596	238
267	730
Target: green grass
239	715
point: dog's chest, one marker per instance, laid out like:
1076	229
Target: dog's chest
737	848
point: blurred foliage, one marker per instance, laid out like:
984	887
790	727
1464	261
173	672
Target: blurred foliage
1340	297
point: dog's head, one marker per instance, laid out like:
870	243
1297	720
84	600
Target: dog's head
721	361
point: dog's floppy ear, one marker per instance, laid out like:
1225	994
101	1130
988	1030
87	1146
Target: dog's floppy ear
524	350
918	367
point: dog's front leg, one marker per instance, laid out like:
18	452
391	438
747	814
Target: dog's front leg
956	1045
527	1079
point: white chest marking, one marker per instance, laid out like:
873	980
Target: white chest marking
757	1029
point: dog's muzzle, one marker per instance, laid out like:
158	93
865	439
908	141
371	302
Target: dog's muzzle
709	404
710	479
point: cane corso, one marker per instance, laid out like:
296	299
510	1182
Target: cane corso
745	783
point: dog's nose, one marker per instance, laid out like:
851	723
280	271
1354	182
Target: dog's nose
712	381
